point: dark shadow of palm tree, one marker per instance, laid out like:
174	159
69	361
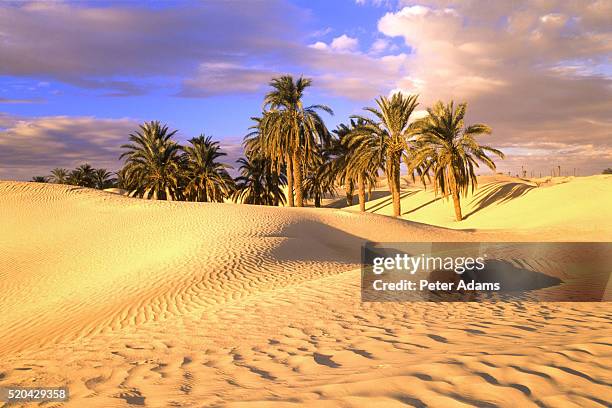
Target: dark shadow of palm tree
498	193
388	201
340	200
423	205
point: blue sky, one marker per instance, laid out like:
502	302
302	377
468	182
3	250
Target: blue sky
75	77
222	115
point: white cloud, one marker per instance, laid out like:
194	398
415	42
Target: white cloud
344	43
319	45
379	46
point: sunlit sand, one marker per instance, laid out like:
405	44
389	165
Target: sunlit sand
130	302
548	209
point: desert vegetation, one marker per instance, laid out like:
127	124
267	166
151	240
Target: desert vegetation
290	156
84	176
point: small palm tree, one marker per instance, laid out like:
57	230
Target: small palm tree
290	130
449	149
59	175
320	175
153	163
206	178
341	156
389	133
104	179
357	159
40	179
83	176
259	183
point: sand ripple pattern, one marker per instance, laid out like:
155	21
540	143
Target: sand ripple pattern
141	303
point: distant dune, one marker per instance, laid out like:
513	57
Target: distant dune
131	302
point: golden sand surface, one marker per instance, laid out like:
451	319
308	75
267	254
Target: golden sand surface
130	302
559	208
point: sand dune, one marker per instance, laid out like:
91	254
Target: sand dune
560	206
131	302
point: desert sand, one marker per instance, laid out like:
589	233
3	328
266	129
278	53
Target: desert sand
559	208
131	302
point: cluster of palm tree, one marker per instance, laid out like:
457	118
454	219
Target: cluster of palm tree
293	139
291	156
157	167
84	176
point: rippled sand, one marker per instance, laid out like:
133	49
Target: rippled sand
141	303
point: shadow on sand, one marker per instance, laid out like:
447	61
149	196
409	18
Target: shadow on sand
389	200
498	193
340	201
422	205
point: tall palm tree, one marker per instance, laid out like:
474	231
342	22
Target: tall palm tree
291	130
104	179
59	175
259	183
449	149
206	178
391	130
153	163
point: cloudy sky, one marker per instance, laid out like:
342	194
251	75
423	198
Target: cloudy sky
76	78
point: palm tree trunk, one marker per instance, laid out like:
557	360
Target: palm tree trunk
457	203
297	179
362	193
397	204
393	179
290	180
317	200
349	188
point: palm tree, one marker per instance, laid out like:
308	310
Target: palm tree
390	131
290	130
40	179
259	183
206	178
449	149
104	179
83	176
59	175
320	175
357	159
254	146
153	163
342	154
